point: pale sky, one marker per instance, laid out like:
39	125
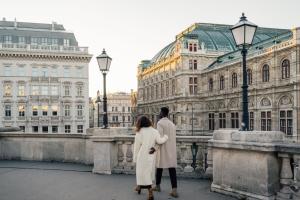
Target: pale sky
134	30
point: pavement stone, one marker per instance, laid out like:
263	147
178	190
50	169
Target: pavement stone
27	180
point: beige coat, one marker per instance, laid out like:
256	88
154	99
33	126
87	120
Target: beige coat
145	162
167	155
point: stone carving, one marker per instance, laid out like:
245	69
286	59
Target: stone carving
129	154
251	102
120	152
285	100
221	105
233	104
265	102
210	106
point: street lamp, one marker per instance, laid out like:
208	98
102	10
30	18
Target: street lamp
194	147
243	33
104	63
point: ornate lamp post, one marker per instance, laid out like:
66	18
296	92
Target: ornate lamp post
194	147
243	33
104	62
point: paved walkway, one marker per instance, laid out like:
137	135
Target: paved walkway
24	180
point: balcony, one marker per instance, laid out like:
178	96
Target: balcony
35	118
43	48
21	118
7	118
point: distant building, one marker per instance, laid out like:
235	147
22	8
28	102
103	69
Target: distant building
199	77
43	78
119	110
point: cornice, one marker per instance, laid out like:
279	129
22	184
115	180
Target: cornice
45	56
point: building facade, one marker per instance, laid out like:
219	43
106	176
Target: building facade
199	77
43	78
119	110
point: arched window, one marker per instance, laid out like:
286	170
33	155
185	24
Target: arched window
234	80
210	84
249	76
285	69
265	73
222	83
195	47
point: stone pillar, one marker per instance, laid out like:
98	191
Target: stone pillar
286	177
105	155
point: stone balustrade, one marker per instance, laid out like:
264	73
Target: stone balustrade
255	164
109	150
120	159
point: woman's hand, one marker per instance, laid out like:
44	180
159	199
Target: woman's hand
152	150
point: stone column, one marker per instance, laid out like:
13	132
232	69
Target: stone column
286	177
105	155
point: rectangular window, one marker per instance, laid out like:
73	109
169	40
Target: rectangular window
54	72
54	90
128	118
54	110
21	71
79	91
7	110
173	86
44	72
35	110
7	39
21	40
66	42
35	90
7	71
44	90
44	41
67	128
7	89
123	109
21	110
35	129
251	121
54	41
222	120
45	129
67	90
79	128
265	120
79	110
190	64
67	110
123	118
66	72
54	129
286	121
235	120
195	65
167	88
193	82
35	72
211	121
45	110
21	90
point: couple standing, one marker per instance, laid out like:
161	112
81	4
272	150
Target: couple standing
155	149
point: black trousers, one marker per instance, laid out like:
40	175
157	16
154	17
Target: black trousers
172	173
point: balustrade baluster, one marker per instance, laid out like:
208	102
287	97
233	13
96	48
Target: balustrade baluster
286	178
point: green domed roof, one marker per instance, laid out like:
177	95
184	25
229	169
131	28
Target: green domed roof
214	37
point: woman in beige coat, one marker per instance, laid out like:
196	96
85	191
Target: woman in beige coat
146	137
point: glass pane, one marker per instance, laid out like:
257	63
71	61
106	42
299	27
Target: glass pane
289	113
282	114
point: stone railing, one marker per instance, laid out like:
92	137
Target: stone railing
120	159
255	164
289	157
110	150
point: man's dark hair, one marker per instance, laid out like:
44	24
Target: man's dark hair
164	111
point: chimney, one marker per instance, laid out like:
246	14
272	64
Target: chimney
3	19
53	26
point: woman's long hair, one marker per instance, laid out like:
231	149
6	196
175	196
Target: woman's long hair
142	122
